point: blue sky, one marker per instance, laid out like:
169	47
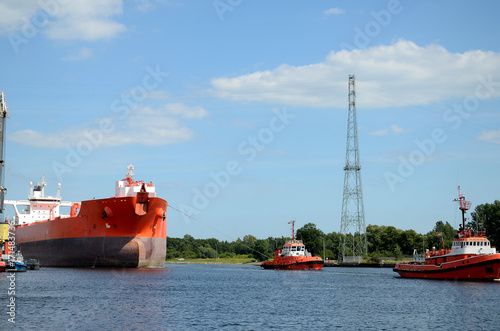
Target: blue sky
237	110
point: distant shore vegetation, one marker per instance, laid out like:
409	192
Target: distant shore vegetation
383	241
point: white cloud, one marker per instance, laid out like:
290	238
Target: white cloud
82	54
86	20
149	5
394	130
242	124
186	112
398	75
144	126
383	132
334	11
492	136
13	13
158	95
89	20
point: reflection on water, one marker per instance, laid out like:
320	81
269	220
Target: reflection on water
246	297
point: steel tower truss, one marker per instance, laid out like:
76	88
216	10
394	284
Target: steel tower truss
352	227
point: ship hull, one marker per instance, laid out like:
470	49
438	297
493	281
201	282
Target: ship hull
126	232
479	268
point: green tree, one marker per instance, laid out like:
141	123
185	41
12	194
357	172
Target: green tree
249	240
374	238
241	247
333	241
389	241
383	239
261	250
410	240
441	232
398	253
206	252
488	215
312	238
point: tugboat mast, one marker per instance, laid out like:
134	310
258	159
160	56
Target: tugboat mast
464	206
293	230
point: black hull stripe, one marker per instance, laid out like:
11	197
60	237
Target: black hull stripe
120	252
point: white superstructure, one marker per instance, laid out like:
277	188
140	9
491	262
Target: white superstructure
129	188
294	248
38	207
472	245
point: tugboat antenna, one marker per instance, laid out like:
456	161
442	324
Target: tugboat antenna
293	230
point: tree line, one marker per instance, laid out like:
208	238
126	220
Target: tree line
383	241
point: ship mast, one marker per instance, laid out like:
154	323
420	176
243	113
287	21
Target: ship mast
464	206
3	116
293	230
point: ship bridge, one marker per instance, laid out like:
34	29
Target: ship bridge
38	207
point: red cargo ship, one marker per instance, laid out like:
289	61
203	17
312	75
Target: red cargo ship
127	230
471	257
294	256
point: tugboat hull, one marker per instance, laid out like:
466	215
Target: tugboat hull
482	267
294	265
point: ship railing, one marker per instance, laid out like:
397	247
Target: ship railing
481	233
418	257
296	241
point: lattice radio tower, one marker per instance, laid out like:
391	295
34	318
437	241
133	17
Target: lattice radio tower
352	227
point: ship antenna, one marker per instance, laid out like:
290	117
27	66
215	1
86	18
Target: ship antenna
130	173
3	115
464	206
293	230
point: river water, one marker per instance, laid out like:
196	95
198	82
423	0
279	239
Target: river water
243	297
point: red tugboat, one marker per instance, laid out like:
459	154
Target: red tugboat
294	256
471	257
